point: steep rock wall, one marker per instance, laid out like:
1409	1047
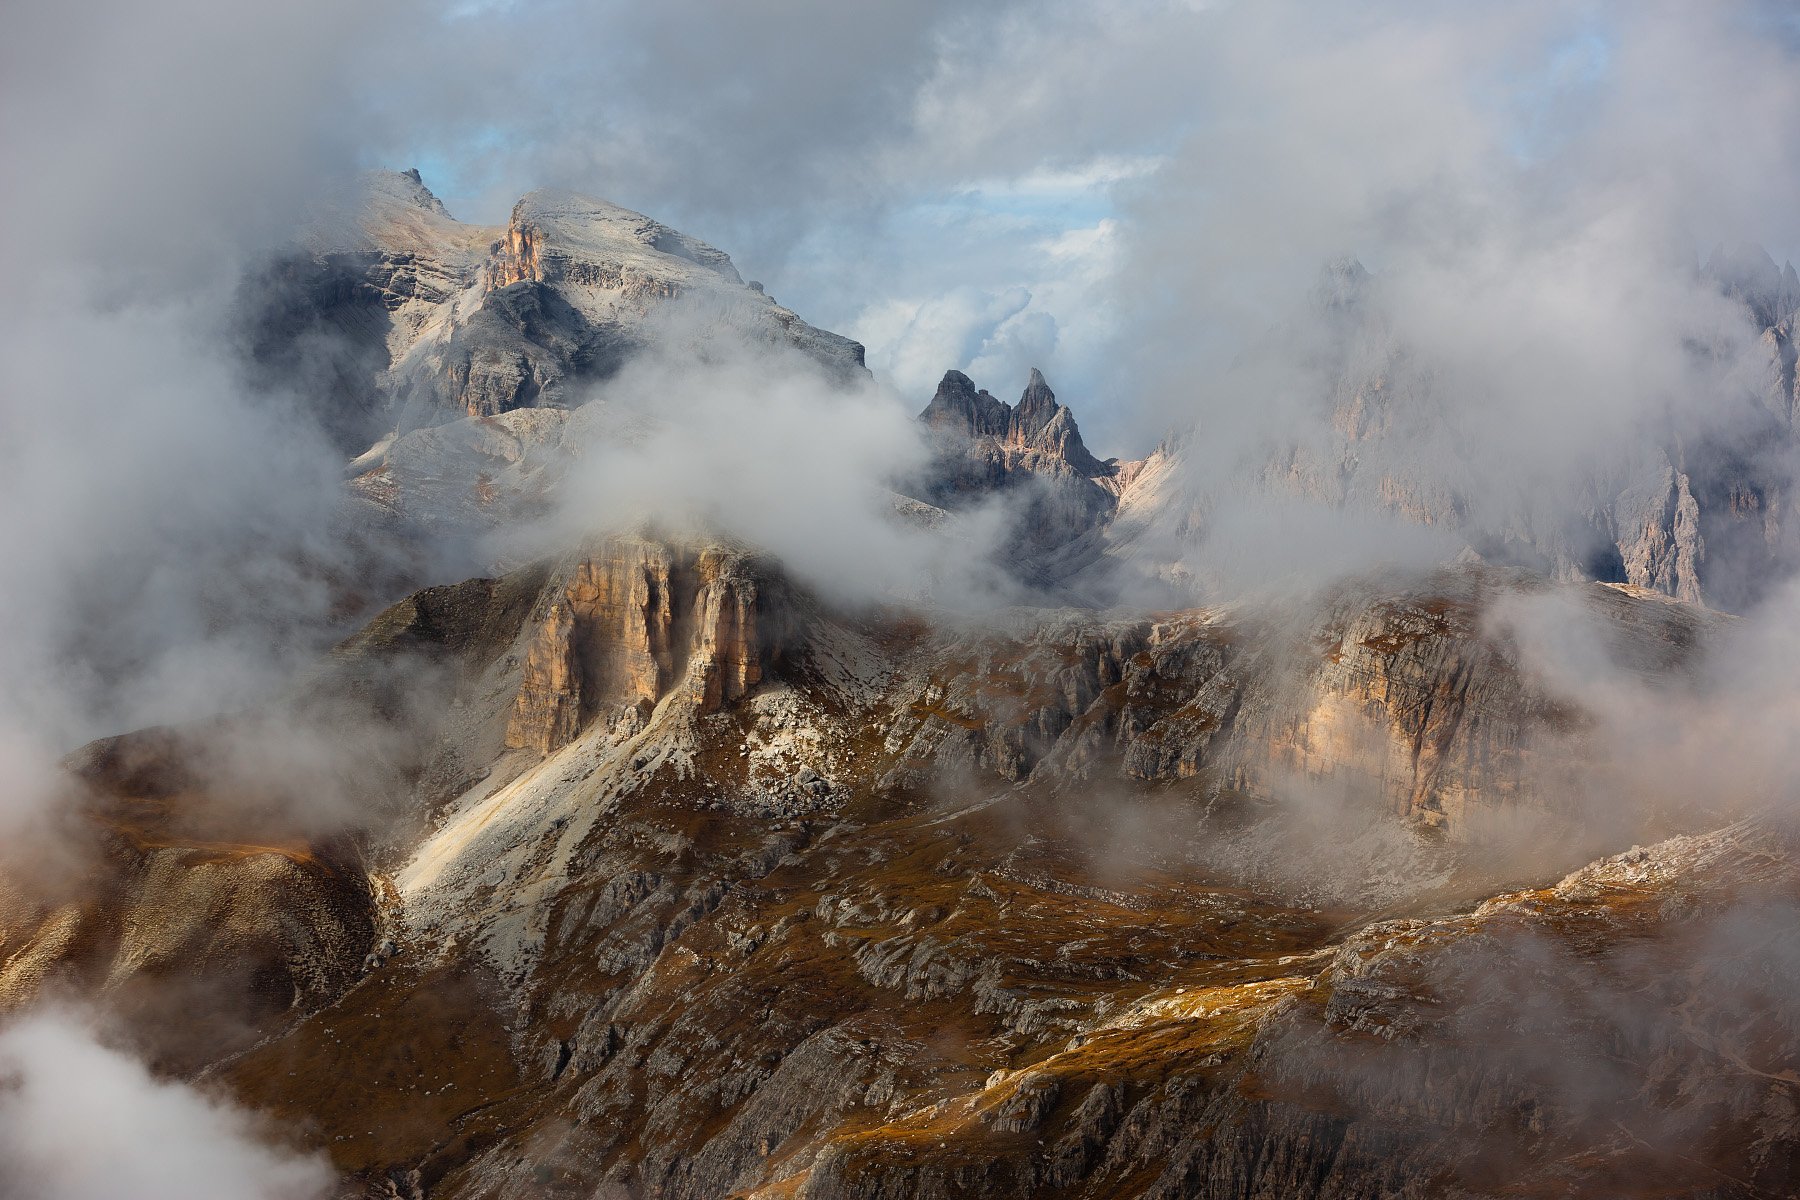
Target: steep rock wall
630	622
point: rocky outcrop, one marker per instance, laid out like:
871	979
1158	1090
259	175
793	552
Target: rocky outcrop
1408	697
197	927
1037	435
1404	1068
625	624
1029	456
1659	539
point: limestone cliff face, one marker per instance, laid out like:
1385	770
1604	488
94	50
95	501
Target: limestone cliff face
627	624
1659	537
515	256
729	646
547	713
1410	700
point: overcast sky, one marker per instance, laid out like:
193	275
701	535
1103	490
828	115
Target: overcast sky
971	185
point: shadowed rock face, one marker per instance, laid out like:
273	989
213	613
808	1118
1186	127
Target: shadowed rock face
1037	425
1031	454
1036	436
698	887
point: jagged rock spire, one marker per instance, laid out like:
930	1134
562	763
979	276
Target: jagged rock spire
1038	422
1037	406
959	408
1748	273
1342	283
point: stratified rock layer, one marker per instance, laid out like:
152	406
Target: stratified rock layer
629	621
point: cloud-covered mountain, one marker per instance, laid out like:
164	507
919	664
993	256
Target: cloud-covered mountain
503	707
672	864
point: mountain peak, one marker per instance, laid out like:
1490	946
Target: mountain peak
1342	283
589	228
958	409
435	320
1747	272
1037	423
402	187
1037	405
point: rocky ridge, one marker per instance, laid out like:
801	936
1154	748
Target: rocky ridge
702	887
1030	455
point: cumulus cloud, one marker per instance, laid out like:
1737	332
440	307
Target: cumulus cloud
1704	743
1020	300
1529	188
167	550
995	329
759	445
80	1120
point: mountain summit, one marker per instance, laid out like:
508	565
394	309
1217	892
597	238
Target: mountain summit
424	319
1036	424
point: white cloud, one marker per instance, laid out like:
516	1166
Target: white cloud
80	1120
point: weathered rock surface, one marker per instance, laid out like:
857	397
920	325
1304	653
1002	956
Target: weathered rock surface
630	621
201	932
646	873
687	885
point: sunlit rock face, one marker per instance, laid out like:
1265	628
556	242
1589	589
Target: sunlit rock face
630	622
